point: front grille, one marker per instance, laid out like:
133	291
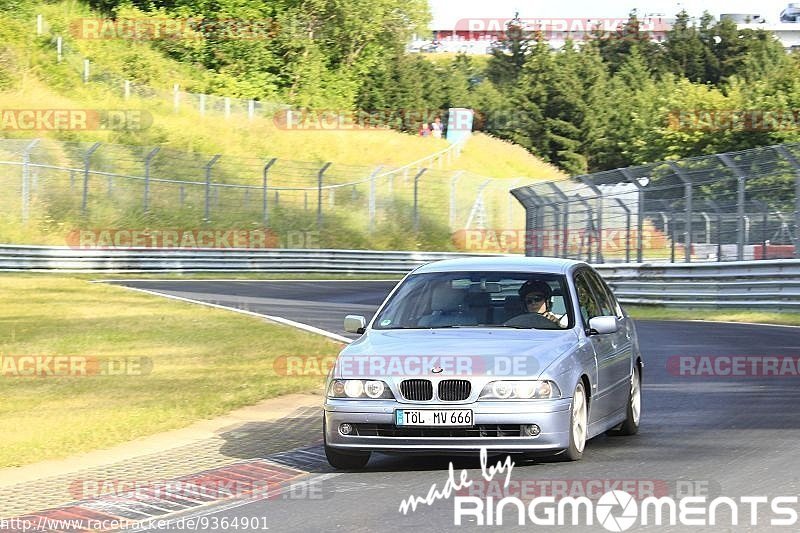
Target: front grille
479	431
454	390
417	390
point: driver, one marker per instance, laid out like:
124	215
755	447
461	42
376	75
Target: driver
537	298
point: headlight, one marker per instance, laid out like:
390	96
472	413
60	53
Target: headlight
358	388
520	390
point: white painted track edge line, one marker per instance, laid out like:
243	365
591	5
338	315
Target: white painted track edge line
276	319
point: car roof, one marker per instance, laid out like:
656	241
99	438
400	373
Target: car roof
544	265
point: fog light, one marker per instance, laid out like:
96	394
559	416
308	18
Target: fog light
531	431
345	429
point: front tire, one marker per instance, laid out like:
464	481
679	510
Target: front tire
631	424
343	460
578	425
346	461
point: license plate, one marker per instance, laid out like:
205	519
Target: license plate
433	417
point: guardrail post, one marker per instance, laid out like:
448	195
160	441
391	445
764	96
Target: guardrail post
207	212
86	157
416	201
587	180
453	180
26	170
372	178
147	161
795	162
320	175
264	207
741	181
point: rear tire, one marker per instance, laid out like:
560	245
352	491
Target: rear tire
578	425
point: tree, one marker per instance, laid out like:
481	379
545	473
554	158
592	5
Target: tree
508	56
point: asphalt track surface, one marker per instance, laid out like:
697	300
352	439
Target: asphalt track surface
702	436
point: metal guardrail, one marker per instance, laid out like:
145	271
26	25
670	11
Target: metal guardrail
773	285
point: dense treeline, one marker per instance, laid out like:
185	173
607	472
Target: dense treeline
613	100
618	99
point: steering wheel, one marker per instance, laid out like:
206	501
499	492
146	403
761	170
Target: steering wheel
531	320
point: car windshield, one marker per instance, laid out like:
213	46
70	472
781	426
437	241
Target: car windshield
523	300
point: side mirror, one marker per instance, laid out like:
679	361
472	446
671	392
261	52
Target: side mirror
355	324
602	325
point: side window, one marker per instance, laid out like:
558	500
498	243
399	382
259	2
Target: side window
586	302
611	298
607	307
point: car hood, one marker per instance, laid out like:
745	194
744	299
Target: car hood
453	352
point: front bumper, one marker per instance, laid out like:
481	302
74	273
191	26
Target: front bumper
552	416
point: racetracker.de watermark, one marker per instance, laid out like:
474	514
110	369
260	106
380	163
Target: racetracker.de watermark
104	239
57	119
359	366
43	366
516	240
148	29
734	366
558	29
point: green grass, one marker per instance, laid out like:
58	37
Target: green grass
206	362
714	315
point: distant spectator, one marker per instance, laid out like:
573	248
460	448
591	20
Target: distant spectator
425	130
437	128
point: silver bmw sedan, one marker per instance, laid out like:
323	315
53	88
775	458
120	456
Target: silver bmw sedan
511	354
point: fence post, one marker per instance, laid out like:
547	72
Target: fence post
688	193
264	210
39	25
372	178
26	160
147	160
176	97
211	162
126	89
227	107
85	71
587	180
795	162
86	157
320	175
639	215
59	48
416	202
202	104
565	223
453	180
251	109
741	180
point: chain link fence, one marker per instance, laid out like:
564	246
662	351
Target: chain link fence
733	206
54	187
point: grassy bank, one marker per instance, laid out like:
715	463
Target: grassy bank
205	362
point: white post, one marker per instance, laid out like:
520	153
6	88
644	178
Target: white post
251	109
59	48
39	25
127	89
202	104
176	97
85	71
227	107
